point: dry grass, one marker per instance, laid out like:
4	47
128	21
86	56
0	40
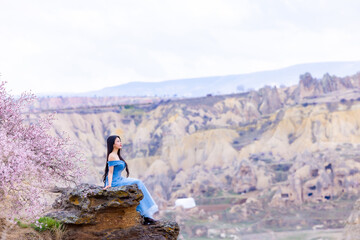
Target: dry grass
59	233
9	231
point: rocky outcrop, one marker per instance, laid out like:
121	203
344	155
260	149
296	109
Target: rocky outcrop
89	212
270	100
311	87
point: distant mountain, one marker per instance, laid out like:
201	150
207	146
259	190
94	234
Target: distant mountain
195	87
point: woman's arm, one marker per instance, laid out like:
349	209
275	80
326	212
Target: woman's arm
110	175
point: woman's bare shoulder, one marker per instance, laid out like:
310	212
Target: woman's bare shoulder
113	157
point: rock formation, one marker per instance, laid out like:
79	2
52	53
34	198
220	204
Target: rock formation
290	145
89	212
310	87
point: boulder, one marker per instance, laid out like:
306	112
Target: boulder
89	212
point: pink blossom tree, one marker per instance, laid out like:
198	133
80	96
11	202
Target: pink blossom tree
31	160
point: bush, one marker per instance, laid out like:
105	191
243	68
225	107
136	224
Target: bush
129	106
42	224
46	223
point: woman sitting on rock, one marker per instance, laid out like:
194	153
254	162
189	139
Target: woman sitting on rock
115	164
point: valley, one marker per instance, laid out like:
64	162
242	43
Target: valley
276	159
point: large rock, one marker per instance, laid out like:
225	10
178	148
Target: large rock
89	212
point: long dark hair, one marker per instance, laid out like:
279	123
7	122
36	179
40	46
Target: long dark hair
110	147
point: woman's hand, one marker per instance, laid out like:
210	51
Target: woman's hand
108	186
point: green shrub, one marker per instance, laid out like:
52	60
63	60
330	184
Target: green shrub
20	224
46	223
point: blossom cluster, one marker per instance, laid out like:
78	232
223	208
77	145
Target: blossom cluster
40	225
31	160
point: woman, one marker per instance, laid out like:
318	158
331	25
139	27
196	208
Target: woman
115	164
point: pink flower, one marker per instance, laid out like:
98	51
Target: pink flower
31	160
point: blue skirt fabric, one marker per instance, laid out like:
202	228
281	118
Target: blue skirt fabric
147	206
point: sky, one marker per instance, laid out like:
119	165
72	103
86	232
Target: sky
78	46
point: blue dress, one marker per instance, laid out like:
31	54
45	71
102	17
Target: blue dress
147	206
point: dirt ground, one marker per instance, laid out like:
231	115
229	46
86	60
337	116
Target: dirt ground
330	234
214	208
11	231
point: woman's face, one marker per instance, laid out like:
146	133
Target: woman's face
117	143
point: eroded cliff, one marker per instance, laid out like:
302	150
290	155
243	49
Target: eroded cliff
283	146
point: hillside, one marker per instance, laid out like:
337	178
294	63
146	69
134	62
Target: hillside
251	156
220	85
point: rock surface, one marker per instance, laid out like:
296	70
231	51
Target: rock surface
89	212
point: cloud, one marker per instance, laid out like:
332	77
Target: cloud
87	45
